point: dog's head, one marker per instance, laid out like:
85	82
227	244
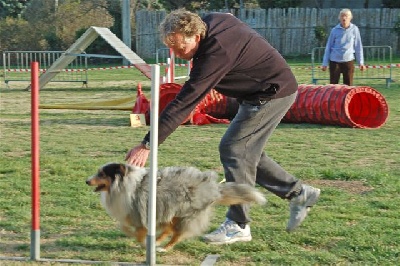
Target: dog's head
106	176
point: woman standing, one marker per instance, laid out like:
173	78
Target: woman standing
343	43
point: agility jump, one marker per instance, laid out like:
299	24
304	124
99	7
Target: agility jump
35	178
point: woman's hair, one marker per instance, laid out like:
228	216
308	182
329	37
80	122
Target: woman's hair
184	22
345	11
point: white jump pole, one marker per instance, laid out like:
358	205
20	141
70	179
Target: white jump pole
154	107
168	71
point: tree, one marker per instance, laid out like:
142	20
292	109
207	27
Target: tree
396	29
227	4
59	26
12	8
56	24
279	3
206	5
391	3
171	5
17	34
321	35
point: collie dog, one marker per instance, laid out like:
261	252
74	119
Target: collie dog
185	196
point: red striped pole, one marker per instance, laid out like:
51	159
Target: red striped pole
35	231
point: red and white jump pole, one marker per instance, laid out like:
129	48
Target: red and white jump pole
172	66
35	231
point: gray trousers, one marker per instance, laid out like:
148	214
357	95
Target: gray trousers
242	152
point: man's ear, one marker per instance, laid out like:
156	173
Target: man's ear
197	38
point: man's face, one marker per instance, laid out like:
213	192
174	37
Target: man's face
184	48
345	20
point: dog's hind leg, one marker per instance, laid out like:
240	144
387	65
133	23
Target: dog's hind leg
177	233
176	237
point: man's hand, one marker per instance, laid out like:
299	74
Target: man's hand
137	155
362	67
324	68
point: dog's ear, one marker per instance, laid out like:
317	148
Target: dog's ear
113	170
122	170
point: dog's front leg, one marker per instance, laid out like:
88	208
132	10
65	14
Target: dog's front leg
128	230
140	235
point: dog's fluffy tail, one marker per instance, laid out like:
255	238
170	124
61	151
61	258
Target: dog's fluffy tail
233	193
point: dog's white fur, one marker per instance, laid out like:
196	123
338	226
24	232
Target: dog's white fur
118	203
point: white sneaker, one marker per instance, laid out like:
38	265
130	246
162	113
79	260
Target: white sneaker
301	205
228	232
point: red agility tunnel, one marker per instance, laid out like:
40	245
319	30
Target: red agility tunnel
212	109
168	91
349	106
342	105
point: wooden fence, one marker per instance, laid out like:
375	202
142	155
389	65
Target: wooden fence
291	31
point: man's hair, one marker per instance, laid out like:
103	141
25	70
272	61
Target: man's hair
345	11
184	22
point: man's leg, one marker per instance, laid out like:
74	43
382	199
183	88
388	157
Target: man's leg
275	179
347	69
242	155
241	152
242	147
334	72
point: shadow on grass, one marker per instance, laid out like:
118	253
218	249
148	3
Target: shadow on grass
98	122
79	89
115	122
305	126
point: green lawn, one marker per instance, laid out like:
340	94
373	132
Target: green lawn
356	221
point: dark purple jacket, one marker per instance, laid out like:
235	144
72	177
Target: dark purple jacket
234	60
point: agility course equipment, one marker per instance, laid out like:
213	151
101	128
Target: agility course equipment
151	234
35	164
35	177
122	104
341	105
212	109
347	106
83	42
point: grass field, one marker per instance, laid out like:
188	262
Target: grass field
356	221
